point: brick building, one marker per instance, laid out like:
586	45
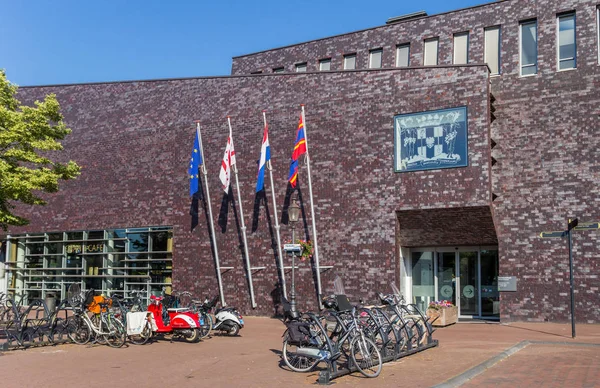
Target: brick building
441	146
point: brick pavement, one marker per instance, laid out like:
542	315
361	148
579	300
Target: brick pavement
253	360
544	366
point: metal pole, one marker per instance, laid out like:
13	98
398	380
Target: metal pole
312	211
237	182
570	237
210	219
280	254
293	292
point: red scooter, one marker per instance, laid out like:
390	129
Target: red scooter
178	322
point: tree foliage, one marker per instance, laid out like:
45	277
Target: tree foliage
28	135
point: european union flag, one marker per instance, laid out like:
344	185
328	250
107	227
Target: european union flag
195	163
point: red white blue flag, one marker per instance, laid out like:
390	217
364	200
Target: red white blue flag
265	156
299	149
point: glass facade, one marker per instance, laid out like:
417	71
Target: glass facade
114	261
467	277
423	287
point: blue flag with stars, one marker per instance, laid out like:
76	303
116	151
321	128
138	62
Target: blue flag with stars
195	163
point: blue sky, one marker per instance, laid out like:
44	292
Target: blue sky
72	41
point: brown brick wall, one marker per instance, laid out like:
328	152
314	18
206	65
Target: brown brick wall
547	135
133	141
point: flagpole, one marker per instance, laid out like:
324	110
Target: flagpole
279	253
210	218
312	211
237	182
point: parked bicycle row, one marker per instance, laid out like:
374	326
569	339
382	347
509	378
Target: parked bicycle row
350	338
85	317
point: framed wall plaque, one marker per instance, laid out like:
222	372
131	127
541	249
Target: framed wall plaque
431	140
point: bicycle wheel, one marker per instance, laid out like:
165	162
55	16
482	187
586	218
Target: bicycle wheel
365	356
206	327
143	337
295	361
78	330
116	332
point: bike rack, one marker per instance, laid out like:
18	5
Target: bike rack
335	371
32	327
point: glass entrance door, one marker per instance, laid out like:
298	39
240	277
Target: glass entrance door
467	277
446	276
469	283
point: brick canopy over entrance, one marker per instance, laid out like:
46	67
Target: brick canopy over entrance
463	226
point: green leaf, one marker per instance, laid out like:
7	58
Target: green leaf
29	138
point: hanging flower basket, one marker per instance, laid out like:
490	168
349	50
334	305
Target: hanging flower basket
307	249
442	313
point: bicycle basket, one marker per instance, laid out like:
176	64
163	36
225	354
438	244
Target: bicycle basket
94	304
74	295
298	333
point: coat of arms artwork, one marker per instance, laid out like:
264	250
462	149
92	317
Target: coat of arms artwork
431	140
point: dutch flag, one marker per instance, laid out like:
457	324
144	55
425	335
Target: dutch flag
265	156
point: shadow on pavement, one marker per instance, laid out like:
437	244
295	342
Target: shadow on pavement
536	331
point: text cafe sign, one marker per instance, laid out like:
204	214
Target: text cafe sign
87	248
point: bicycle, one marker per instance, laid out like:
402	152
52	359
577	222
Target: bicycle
306	342
121	310
103	325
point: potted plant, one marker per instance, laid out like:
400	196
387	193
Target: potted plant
442	313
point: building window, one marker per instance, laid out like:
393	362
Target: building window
598	30
492	49
375	58
278	70
566	45
528	48
431	52
325	64
301	67
461	48
403	55
350	62
111	261
257	72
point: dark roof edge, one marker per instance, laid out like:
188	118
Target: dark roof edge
370	28
260	75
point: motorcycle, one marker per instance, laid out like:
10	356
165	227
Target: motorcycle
177	322
228	320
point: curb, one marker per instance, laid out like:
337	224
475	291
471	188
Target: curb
479	369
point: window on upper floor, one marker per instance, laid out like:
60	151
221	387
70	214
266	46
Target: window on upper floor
565	42
257	72
403	55
278	70
325	64
430	57
301	67
492	49
598	30
350	62
461	48
528	47
375	58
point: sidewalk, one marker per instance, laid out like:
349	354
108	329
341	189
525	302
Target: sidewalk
253	360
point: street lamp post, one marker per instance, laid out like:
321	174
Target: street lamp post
293	215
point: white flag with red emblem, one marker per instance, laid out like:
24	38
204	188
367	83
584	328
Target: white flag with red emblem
227	163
